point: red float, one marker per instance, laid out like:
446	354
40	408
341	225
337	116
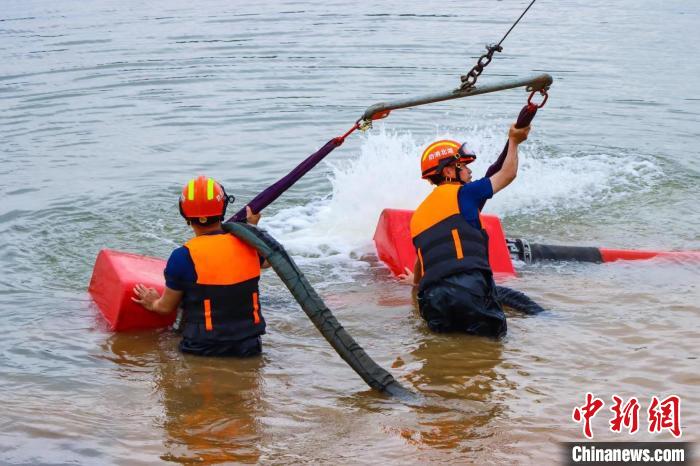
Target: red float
612	255
392	238
113	278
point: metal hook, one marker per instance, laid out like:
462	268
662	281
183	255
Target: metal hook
544	101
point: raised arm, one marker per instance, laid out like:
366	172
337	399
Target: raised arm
509	169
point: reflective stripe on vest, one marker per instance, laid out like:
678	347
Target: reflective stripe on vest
445	242
225	296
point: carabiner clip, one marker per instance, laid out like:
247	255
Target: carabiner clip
544	101
364	125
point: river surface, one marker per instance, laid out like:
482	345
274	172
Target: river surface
109	107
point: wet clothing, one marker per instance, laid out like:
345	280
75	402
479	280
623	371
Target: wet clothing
179	269
243	348
456	291
471	198
464	302
221	308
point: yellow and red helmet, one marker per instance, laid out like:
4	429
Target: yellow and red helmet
441	153
203	198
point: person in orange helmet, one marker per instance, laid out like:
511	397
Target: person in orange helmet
454	281
215	277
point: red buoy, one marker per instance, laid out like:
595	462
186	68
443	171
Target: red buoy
392	238
612	255
113	278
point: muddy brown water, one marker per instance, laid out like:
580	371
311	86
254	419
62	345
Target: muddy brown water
108	108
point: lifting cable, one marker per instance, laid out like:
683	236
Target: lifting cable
378	111
469	79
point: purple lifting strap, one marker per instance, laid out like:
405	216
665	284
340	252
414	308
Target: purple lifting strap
274	191
526	115
524	119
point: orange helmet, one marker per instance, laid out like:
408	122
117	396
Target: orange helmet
203	198
441	153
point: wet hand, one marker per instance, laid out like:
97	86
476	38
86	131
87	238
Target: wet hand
406	278
250	217
145	296
518	135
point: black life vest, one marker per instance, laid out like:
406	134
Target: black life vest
223	305
445	242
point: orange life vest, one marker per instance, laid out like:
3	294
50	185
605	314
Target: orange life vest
445	242
223	304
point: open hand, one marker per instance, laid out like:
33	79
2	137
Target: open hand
406	278
145	296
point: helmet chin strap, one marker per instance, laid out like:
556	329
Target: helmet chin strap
228	199
449	179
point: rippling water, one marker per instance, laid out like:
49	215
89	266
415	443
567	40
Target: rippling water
109	107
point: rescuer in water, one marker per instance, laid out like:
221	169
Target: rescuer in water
456	291
215	275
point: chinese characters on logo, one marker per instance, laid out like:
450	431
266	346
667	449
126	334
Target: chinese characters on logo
625	416
662	414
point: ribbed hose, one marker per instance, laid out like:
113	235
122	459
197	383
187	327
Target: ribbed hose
314	307
517	300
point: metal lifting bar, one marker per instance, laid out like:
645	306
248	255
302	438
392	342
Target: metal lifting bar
380	110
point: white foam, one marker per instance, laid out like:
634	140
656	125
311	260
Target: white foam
563	183
384	174
338	227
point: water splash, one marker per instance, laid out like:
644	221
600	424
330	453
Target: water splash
339	226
